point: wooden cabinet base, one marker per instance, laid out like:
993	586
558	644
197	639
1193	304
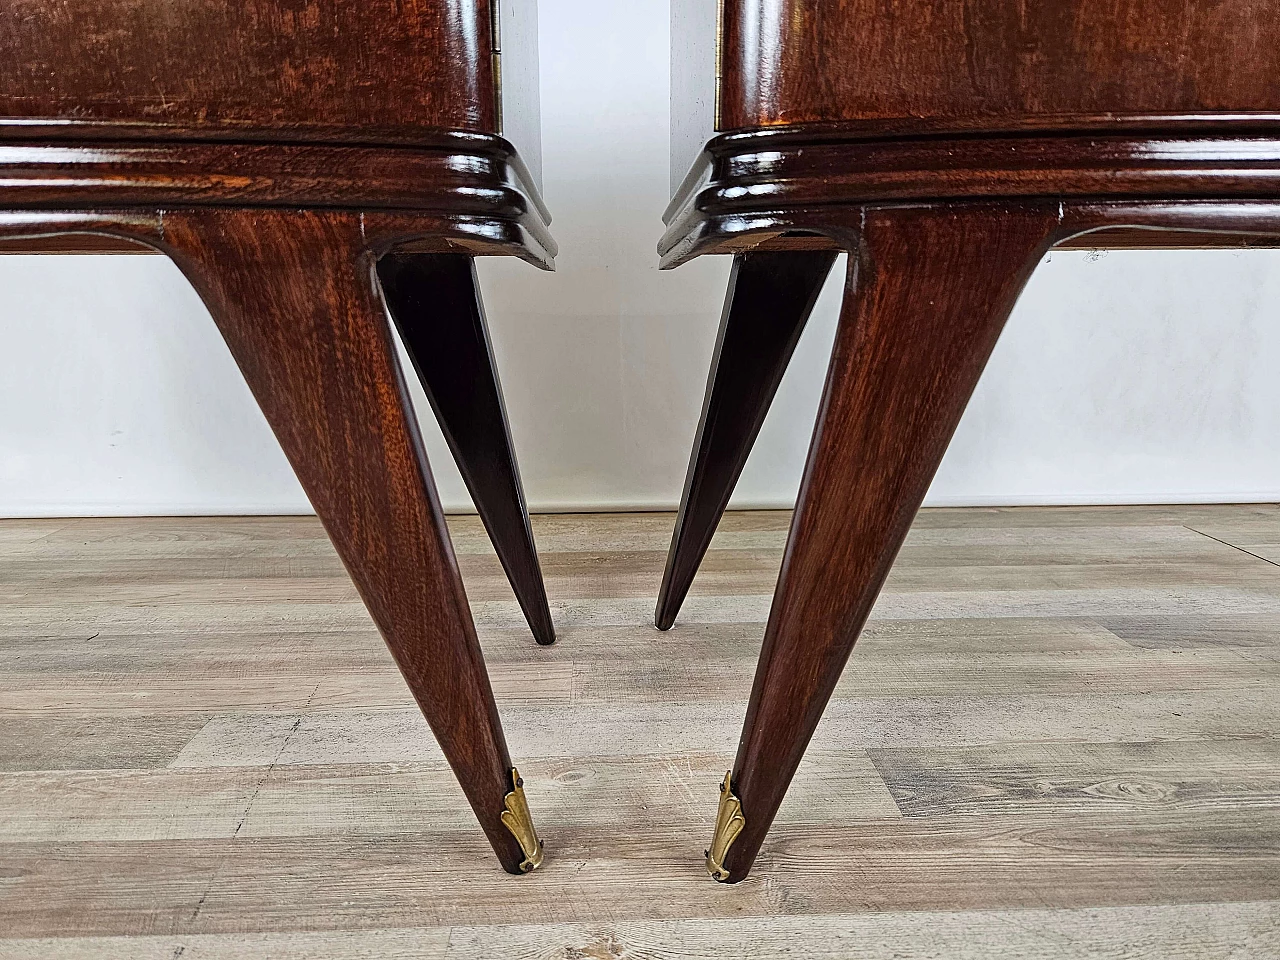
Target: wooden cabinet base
296	294
276	150
931	281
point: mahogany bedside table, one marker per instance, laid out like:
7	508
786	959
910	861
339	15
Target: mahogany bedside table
276	150
946	147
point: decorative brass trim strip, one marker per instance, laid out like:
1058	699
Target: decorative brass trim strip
715	120
729	823
517	819
495	36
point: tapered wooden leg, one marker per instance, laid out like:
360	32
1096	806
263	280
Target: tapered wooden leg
770	298
435	302
928	293
295	297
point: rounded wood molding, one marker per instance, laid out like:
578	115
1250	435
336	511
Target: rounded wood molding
777	181
473	185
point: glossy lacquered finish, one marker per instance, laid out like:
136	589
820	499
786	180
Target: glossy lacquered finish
771	183
770	297
295	296
435	303
474	185
276	150
945	148
297	67
917	65
929	288
920	319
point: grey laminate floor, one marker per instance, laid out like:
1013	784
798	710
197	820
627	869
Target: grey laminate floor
1059	737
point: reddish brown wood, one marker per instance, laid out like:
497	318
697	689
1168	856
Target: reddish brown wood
770	298
316	71
309	68
929	288
275	149
773	181
1113	238
915	65
943	145
295	297
75	244
928	292
475	183
435	302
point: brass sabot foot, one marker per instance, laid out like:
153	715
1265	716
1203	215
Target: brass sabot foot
729	823
517	819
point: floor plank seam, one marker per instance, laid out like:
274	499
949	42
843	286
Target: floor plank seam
213	877
1247	553
1057	737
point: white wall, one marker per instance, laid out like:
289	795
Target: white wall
1133	377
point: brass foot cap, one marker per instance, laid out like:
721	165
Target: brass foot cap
729	823
518	820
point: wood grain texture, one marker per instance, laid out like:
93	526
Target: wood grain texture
295	295
920	316
782	183
923	310
274	149
298	68
282	103
468	192
296	299
434	300
987	65
999	774
769	301
1209	931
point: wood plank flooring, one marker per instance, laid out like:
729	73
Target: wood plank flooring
1059	737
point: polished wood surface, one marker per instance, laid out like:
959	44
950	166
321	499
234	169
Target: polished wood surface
290	68
277	102
944	147
1056	738
275	150
475	184
922	314
296	297
435	303
922	65
770	298
749	188
928	290
317	71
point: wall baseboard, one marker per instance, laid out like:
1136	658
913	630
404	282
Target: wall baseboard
71	511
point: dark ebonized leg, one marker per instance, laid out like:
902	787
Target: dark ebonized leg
295	297
770	298
435	302
928	293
